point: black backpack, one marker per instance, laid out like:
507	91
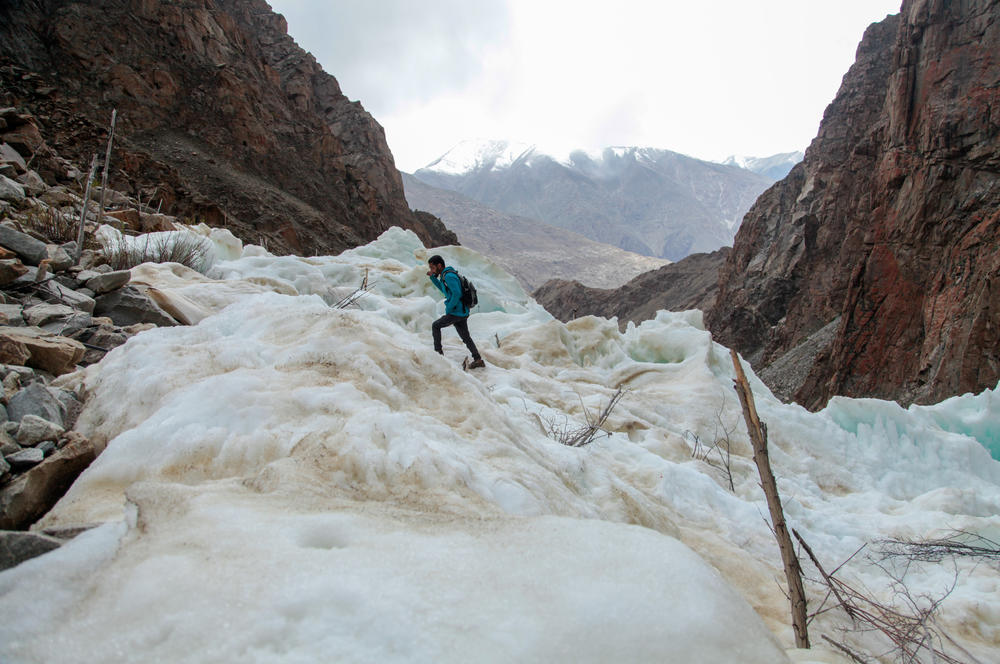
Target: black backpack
469	296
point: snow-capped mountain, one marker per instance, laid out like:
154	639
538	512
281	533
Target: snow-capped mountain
646	200
775	167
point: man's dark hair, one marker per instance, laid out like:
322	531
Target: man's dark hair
435	260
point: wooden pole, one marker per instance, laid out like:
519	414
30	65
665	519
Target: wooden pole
107	161
758	436
83	214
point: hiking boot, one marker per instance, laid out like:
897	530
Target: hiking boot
477	364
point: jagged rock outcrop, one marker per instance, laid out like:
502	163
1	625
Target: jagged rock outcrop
879	252
690	283
223	118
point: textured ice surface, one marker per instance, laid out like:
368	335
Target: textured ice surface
286	481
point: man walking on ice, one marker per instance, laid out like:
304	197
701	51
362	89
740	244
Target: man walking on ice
455	312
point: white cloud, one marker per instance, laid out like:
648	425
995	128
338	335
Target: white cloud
707	79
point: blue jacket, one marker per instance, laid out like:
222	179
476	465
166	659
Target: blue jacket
450	285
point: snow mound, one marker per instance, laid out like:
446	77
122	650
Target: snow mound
284	480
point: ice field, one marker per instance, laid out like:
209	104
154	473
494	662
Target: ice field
285	481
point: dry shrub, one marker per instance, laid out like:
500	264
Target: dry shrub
56	227
189	250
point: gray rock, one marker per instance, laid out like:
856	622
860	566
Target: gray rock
68	532
33	183
35	399
90	258
71	405
25	459
29	277
17	546
4	466
28	248
10	428
34	430
10	190
27	498
73	298
69	247
12	312
69	326
86	291
47	447
61	197
40	314
67	279
59	258
128	306
10	155
86	274
7	444
103	268
104	283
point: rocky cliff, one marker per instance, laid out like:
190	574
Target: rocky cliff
690	283
223	117
873	268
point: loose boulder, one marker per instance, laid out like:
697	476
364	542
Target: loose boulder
28	248
27	498
10	270
35	399
24	459
48	352
13	351
128	306
10	190
105	283
17	546
34	430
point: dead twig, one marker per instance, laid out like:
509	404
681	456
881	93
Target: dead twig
358	293
959	544
907	621
722	447
578	436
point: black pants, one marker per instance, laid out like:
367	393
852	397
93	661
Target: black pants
461	326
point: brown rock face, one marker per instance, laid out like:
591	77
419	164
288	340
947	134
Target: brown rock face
887	233
222	117
690	283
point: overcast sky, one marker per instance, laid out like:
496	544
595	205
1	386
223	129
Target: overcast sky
708	78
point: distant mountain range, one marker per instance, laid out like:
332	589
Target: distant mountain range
775	167
532	251
645	200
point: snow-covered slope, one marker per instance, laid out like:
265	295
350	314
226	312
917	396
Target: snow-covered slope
286	481
774	167
645	200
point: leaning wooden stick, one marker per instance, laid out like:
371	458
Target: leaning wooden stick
758	436
107	160
86	204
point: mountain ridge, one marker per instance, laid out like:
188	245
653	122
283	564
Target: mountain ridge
645	200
